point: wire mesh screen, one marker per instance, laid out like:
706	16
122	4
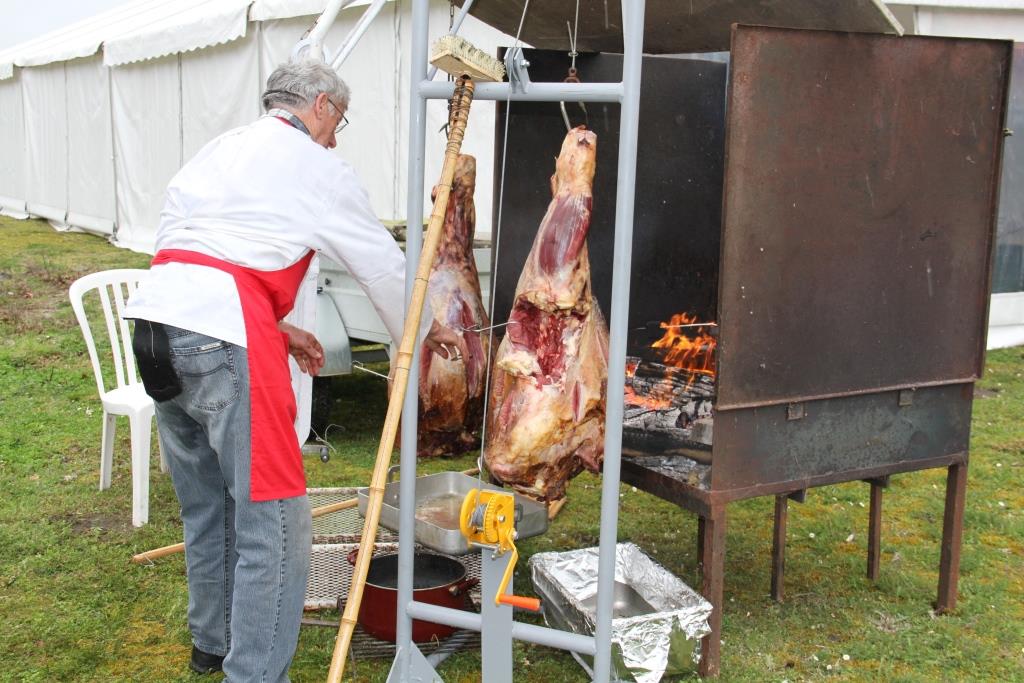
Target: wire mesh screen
343	526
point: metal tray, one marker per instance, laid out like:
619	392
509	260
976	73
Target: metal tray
657	620
438	501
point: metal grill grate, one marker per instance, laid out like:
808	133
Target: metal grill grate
330	574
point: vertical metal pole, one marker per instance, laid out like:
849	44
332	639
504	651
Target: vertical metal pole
413	244
779	547
952	536
875	530
712	583
496	634
633	40
113	144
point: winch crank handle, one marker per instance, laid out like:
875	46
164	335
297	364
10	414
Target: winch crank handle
502	598
520	601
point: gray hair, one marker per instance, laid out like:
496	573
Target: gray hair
296	85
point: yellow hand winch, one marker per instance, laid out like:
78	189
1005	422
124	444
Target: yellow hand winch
487	519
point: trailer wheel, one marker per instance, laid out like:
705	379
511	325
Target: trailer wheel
320	413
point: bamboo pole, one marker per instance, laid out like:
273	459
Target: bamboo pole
458	118
155	553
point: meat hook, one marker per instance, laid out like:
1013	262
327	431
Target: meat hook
477	328
357	365
573	77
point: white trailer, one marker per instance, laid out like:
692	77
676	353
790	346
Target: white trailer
352	333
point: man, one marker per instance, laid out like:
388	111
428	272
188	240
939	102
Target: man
241	223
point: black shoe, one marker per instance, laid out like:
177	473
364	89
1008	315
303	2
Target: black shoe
205	663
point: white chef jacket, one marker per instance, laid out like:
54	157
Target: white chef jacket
260	196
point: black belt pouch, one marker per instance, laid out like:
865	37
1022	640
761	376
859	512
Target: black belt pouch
153	354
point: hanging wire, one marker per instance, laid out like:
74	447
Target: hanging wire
572	46
573	77
496	248
575	35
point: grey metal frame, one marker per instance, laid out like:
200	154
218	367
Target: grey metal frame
627	93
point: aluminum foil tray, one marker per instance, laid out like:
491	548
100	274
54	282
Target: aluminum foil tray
657	620
438	502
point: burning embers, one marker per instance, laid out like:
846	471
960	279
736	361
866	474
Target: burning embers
669	393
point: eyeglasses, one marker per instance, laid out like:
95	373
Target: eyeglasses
344	119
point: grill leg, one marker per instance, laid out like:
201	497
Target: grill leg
700	548
952	532
712	581
875	530
779	547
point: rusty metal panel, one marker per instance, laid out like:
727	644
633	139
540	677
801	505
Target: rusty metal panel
860	198
671	26
756	447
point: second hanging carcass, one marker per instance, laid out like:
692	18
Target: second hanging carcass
451	392
547	400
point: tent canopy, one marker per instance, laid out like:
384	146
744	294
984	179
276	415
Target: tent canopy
148	29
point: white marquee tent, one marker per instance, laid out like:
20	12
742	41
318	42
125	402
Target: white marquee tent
95	118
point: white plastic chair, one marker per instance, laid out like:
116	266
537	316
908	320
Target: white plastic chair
126	395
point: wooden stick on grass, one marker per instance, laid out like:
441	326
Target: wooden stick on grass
150	555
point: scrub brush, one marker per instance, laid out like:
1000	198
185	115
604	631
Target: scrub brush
459	57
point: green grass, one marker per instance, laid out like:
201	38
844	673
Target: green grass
72	607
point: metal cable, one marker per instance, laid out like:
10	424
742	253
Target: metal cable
575	35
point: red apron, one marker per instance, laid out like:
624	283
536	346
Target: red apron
267	296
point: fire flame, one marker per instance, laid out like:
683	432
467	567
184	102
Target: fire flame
689	348
648	402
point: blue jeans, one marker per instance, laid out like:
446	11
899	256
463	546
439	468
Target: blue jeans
247	562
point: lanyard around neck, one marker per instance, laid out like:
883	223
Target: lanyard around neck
290	118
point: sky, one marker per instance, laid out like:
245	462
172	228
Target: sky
22	20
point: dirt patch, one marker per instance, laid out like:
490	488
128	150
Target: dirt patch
54	274
29	309
92	523
980	392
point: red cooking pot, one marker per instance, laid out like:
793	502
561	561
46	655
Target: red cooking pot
437	580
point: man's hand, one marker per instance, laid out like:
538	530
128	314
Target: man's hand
304	347
444	341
